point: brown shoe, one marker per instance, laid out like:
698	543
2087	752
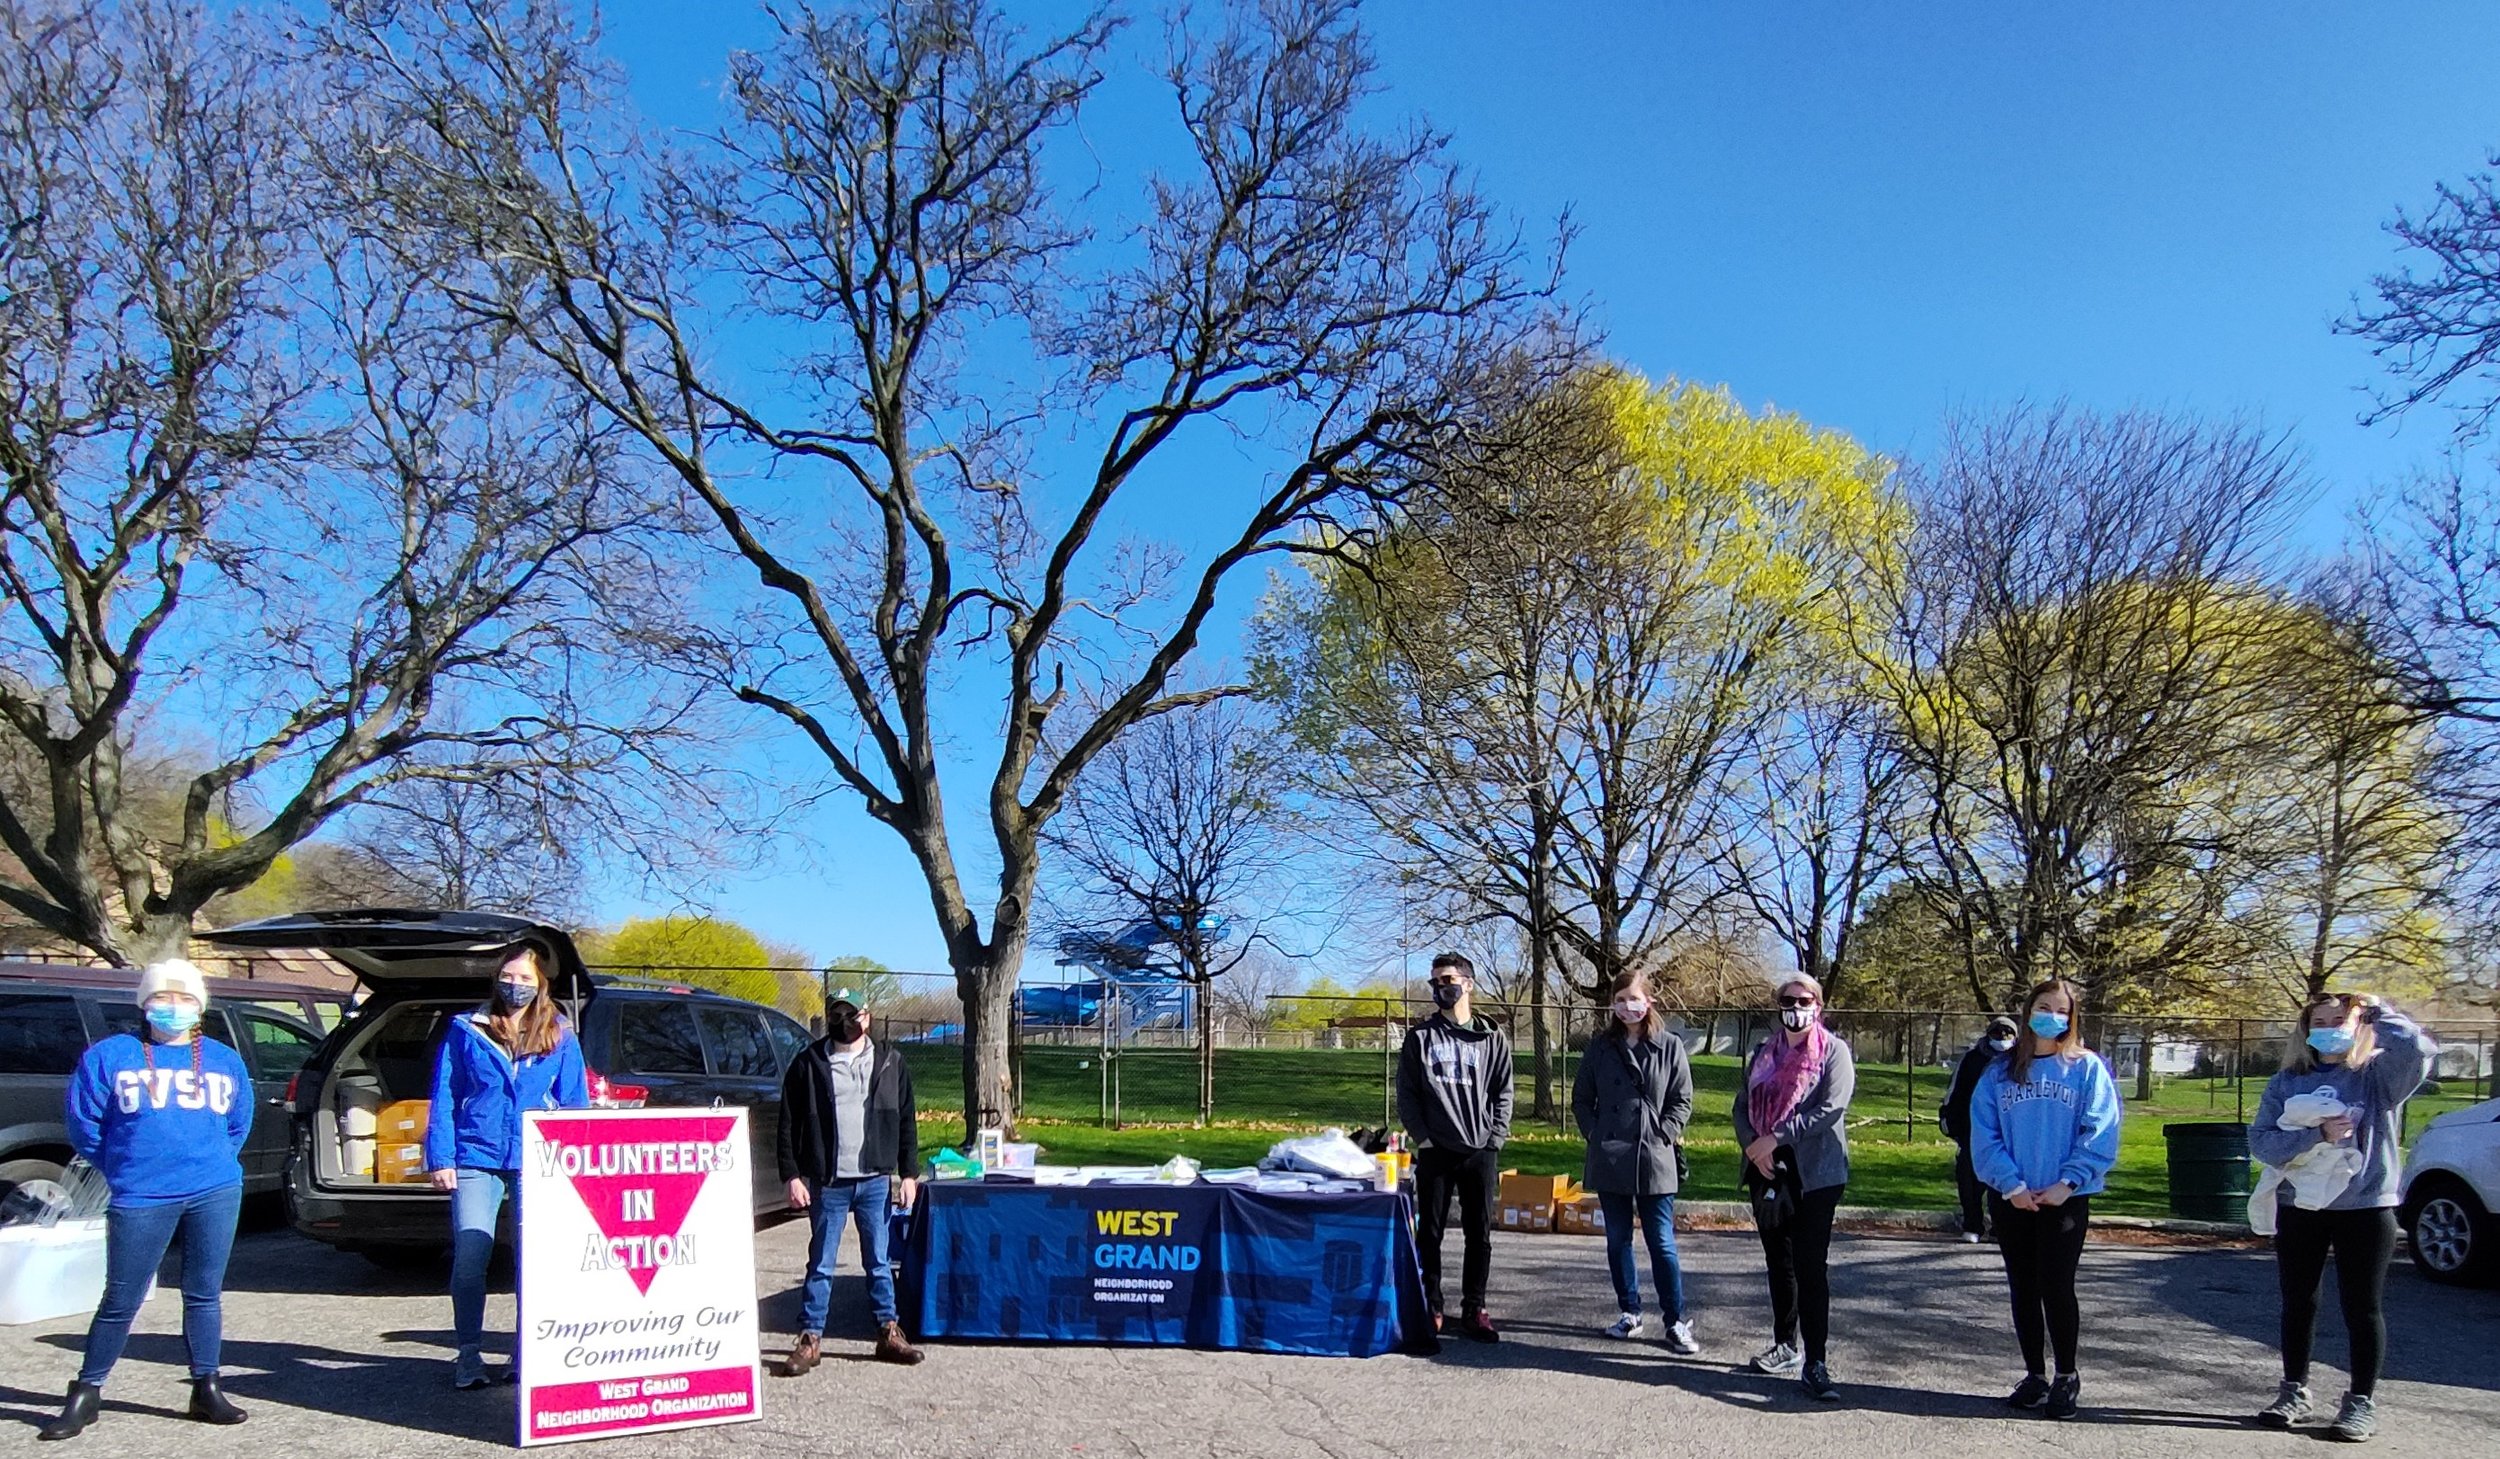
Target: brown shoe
893	1347
804	1355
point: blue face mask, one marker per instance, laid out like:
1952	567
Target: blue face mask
2331	1040
517	995
2049	1025
173	1020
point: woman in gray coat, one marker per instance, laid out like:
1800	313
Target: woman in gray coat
1792	1124
1632	1100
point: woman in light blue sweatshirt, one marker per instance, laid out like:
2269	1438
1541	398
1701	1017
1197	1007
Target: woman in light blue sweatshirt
162	1115
2044	1134
2369	1058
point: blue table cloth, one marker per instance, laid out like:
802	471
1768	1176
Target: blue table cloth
1209	1266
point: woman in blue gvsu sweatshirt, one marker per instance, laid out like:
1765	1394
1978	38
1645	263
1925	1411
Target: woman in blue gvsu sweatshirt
516	1053
2358	1055
2043	1136
162	1115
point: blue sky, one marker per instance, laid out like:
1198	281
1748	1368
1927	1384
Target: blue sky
1872	214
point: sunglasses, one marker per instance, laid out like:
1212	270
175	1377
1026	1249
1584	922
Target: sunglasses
1796	1003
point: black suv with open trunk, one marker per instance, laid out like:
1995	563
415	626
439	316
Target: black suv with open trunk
645	1043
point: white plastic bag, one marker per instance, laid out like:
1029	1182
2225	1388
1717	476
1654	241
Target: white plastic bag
1327	1153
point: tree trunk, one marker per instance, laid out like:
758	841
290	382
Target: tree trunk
988	990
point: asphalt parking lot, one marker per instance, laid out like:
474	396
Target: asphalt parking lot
335	1357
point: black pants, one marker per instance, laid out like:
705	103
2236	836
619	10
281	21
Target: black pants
2362	1242
1470	1175
2042	1250
1798	1254
1974	1195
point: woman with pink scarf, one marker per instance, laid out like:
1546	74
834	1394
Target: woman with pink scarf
1792	1123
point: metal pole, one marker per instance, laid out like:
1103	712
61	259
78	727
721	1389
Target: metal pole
1909	1084
2239	1068
1388	1071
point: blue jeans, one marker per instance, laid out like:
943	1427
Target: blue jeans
1658	1226
869	1202
475	1203
135	1242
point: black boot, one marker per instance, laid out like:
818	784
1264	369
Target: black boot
209	1406
75	1414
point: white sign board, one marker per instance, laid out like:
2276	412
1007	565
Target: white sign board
637	1279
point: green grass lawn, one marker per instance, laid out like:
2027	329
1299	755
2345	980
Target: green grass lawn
1898	1157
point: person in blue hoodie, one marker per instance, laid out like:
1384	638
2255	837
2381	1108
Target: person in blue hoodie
162	1115
2369	1058
516	1053
2043	1136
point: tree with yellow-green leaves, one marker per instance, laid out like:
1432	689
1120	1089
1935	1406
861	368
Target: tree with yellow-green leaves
706	952
2359	848
1538	688
2082	654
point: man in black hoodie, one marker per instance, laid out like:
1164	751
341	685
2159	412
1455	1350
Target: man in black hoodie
1454	1097
850	1146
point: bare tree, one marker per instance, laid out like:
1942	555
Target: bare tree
1821	824
1246	997
880	193
1184	824
2075	649
2439	329
461	843
251	495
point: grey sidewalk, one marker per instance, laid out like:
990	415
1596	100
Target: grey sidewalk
336	1358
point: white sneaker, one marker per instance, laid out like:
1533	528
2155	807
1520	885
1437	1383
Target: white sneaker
1779	1360
1629	1325
1970	1238
1681	1342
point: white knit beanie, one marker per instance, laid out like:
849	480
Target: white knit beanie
174	975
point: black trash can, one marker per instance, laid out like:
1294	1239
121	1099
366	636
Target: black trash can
2209	1173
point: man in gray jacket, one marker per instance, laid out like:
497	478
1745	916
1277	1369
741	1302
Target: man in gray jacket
1454	1097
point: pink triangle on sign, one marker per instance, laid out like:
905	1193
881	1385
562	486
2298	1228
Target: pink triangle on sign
619	1177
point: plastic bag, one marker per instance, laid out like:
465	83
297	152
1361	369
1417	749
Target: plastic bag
79	1195
1179	1170
1327	1153
953	1164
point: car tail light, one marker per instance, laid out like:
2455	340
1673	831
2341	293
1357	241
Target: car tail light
292	1080
607	1094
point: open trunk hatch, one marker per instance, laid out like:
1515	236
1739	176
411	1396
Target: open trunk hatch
409	952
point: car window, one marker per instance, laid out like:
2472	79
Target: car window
279	1048
739	1048
40	1033
656	1037
789	1040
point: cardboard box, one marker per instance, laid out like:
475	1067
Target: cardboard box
1582	1217
1528	1202
399	1164
399	1142
402	1122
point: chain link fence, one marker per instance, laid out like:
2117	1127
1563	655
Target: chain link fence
1127	1054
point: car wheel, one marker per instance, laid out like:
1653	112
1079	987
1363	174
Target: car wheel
2451	1235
